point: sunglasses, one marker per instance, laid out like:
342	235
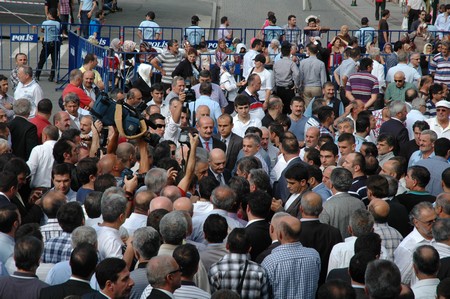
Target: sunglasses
160	126
398	81
441	110
175	271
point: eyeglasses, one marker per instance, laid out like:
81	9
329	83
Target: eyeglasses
160	126
175	271
427	222
441	110
398	81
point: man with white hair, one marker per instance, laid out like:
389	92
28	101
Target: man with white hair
415	114
394	126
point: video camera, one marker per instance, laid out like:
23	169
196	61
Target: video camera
190	93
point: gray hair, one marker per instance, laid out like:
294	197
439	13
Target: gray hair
418	208
396	107
223	197
433	135
374	52
361	222
259	178
383	279
341	179
346	120
113	190
157	269
393	184
173	227
275	42
176	79
3	143
22	107
312	210
443	201
71	97
146	242
75	74
112	206
254	137
402	56
156	179
441	230
84	234
417	103
28	70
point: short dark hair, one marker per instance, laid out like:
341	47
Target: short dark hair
425	263
383	279
206	186
187	257
7	181
297	172
104	181
60	148
362	123
378	185
336	289
238	241
365	63
62	169
420	174
315	172
83	260
290	144
85	168
436	88
27	253
259	203
215	228
8	215
346	137
446	177
369	242
109	269
390	140
443	288
241	100
89	58
70	216
45	106
324	113
330	147
441	147
92	204
358	265
205	88
313	154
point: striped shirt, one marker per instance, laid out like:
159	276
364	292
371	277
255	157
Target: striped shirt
169	62
189	290
362	85
390	238
440	66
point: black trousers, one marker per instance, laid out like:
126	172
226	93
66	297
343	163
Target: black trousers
48	48
286	94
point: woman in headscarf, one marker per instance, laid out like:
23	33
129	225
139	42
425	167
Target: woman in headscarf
147	53
187	67
221	55
129	60
143	83
228	84
114	60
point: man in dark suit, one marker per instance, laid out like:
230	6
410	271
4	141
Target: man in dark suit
113	279
320	236
290	150
257	229
232	141
23	133
217	170
71	105
160	279
205	127
8	187
394	126
82	262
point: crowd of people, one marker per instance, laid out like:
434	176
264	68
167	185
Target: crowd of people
320	176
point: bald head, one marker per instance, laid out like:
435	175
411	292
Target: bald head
161	202
217	160
107	163
202	110
311	205
142	201
171	192
379	210
289	230
51	203
184	204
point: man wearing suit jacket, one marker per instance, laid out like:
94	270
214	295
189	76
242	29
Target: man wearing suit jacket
205	127
164	275
72	105
338	208
273	232
320	236
23	133
217	171
257	229
82	262
394	126
113	279
232	141
290	150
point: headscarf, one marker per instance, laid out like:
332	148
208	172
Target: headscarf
129	46
221	57
144	72
115	45
239	47
425	47
146	46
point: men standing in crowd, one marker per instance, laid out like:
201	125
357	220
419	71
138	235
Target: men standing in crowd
312	74
167	61
28	88
148	29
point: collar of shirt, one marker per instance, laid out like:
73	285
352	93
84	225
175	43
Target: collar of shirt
24	275
166	292
188	283
418	238
237	256
309	219
203	141
79	279
1	193
253	221
29	84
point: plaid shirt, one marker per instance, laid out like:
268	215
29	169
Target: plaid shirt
64	7
51	230
390	238
293	271
226	274
14	78
57	249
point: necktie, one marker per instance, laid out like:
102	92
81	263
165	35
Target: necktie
219	178
224	141
207	146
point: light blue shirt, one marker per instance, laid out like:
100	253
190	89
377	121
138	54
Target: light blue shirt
416	157
194	34
367	33
87	5
214	107
52	30
7	247
149	29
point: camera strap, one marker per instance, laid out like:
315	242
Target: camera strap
119	124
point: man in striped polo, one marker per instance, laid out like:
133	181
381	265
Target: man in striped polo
363	85
167	61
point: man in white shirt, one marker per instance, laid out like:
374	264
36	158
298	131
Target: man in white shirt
148	29
411	75
243	119
426	266
423	216
28	88
249	63
138	218
41	158
71	105
441	123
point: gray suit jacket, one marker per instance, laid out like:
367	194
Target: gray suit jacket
337	210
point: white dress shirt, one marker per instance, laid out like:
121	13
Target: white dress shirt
32	92
41	163
440	131
425	288
240	127
109	242
134	222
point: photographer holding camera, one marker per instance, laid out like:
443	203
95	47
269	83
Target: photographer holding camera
178	87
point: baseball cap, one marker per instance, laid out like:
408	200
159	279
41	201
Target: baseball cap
195	19
443	103
260	58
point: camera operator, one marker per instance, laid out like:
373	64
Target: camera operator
134	97
178	87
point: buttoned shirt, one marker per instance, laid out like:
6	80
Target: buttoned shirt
164	107
293	271
312	72
425	288
440	131
394	93
403	255
416	157
248	62
51	230
286	73
41	162
226	274
411	75
134	222
292	35
30	91
109	242
58	249
390	238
